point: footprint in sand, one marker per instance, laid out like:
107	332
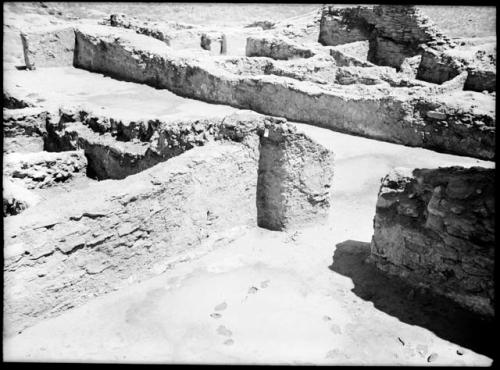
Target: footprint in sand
222	330
220	307
432	357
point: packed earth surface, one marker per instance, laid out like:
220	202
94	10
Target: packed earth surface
249	183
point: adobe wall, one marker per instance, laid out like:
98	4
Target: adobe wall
436	227
397	34
276	48
52	46
384	115
89	242
294	181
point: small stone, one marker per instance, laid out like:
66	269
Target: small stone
215	315
253	290
436	115
460	352
401	341
432	357
264	284
229	342
326	318
198	127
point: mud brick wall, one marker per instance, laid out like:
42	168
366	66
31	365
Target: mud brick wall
24	129
358	50
407	25
437	67
395	31
345	25
481	80
375	114
294	180
440	66
91	241
436	227
145	28
276	48
49	47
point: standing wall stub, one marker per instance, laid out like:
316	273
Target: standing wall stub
52	46
294	180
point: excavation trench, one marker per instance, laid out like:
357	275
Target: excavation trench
171	189
183	184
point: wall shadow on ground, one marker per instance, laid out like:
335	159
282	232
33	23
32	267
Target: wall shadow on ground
393	296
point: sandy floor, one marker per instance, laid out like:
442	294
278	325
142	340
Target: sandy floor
55	87
305	296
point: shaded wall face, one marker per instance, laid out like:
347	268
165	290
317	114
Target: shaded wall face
436	227
294	180
343	26
395	32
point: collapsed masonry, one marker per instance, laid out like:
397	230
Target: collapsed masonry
328	89
436	228
402	37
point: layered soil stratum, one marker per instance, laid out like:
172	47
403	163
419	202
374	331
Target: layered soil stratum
249	184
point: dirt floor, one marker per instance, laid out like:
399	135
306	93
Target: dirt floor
55	87
298	297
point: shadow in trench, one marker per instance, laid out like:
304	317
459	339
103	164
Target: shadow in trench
395	297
